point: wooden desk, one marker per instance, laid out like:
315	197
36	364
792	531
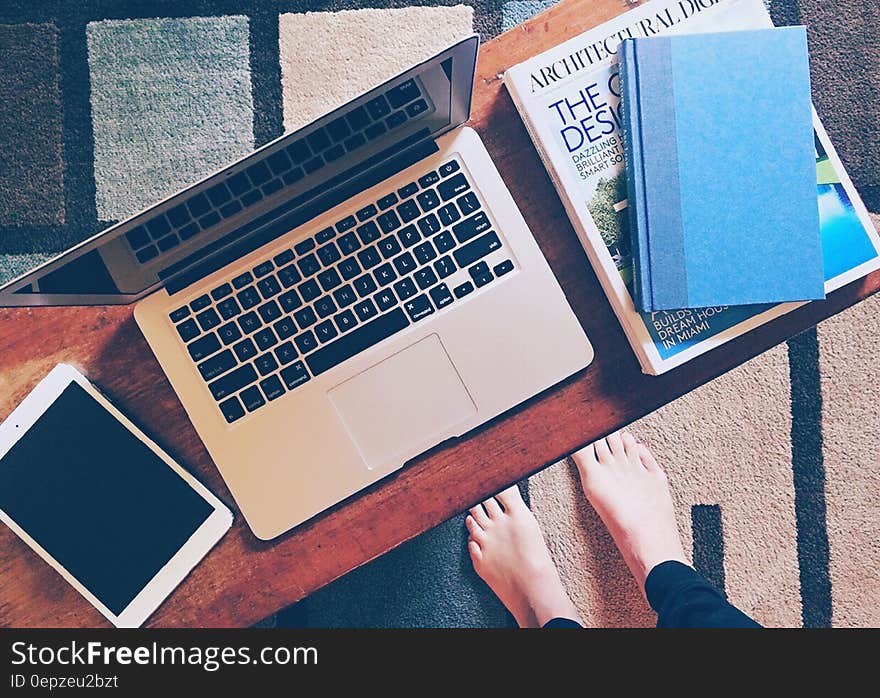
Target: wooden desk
244	579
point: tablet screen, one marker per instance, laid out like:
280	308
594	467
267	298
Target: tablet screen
97	499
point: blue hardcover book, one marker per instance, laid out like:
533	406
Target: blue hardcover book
721	169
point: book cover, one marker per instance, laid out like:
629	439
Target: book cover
711	215
569	100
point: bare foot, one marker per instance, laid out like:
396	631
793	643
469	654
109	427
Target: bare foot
510	555
627	488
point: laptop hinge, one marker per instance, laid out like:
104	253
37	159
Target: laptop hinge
285	217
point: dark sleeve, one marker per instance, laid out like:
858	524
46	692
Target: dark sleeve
682	598
562	623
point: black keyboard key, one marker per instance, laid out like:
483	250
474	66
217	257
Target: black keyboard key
448	214
365	310
229	333
309	265
279	162
263	269
265	364
325	331
356	341
428	179
425	277
334	153
444	266
375	130
323	236
200	303
441	296
289	276
429	225
388	221
463	289
265	338
357	118
349	268
364	285
188	330
408	190
208	319
425	252
480	274
387	201
272	387
294	375
369	257
245	349
468	203
503	268
178	216
325	306
285	328
298	151
444	242
329	254
137	237
233	382
179	314
221	292
378	107
369	232
231	409
389	247
403	93
305	317
272	187
367	212
408	236
210	219
452	187
305	246
283	258
252	398
217	365
418	107
405	288
249	298
349	243
476	249
318	140
285	353
345	321
344	296
384	274
242	280
198	205
338	129
306	341
219	194
309	290
166	243
404	263
385	299
313	165
346	223
408	211
471	227
269	287
159	227
251	197
203	347
259	173
228	308
269	311
329	279
249	322
396	119
293	175
238	183
419	307
187	231
448	168
290	300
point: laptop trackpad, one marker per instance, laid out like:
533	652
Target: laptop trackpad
403	405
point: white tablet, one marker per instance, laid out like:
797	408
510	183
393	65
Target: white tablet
101	502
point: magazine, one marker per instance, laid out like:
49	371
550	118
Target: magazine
569	100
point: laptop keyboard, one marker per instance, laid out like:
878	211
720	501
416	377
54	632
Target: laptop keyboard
333	295
283	167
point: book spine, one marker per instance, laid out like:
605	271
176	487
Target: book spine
636	197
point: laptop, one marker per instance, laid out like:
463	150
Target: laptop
339	301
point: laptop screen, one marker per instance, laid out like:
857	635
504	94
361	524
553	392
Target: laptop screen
281	186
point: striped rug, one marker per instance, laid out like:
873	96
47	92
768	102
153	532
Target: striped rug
774	466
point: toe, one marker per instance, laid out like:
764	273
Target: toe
474	529
648	460
630	445
603	452
615	444
475	551
511	499
585	458
480	515
493	508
